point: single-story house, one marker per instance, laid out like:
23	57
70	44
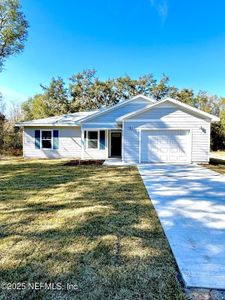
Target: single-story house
136	130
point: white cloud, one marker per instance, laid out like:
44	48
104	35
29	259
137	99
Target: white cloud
161	7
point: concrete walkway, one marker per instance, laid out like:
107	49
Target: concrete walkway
190	202
117	162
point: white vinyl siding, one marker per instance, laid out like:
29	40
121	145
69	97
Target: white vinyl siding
166	117
165	110
111	116
108	121
69	143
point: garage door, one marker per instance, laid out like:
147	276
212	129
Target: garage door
169	146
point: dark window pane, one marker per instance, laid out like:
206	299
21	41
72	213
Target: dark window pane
37	139
55	133
102	140
92	135
47	144
37	134
46	135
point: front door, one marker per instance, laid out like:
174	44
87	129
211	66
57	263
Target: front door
116	144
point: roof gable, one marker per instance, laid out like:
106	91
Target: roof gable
118	106
183	106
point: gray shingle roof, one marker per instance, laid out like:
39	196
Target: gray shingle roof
63	120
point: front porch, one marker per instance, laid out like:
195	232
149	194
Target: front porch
101	143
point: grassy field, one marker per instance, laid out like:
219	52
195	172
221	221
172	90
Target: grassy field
90	227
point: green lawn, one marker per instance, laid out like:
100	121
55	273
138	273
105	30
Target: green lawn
93	227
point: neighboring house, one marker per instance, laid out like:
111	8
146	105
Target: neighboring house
136	130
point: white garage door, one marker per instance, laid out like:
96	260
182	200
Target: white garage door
169	146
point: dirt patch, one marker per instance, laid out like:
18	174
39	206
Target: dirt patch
84	162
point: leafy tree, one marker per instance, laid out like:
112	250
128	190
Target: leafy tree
34	108
10	136
89	92
214	105
2	121
183	95
54	101
222	112
86	92
55	97
83	89
12	139
160	90
208	103
13	29
217	137
147	85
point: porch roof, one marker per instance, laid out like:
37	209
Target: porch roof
101	126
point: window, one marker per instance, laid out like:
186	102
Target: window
102	139
46	139
92	139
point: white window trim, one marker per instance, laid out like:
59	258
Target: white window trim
82	143
87	139
109	140
47	139
209	140
122	133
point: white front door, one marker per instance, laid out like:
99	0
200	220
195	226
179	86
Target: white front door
168	146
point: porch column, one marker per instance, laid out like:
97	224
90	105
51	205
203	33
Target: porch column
82	143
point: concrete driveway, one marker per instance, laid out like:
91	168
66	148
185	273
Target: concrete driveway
190	202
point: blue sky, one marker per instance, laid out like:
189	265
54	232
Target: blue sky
183	39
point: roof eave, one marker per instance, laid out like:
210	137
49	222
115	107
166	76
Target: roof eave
23	124
215	119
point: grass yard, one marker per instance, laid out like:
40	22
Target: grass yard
217	165
220	153
89	226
